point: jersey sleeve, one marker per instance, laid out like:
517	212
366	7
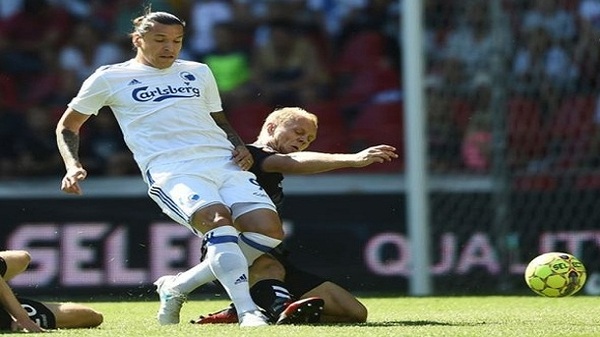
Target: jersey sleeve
211	91
259	154
92	95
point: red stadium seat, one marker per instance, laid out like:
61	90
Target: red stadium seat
247	119
571	130
526	137
361	51
535	182
332	134
380	123
364	85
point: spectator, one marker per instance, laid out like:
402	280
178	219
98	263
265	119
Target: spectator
442	134
476	145
287	65
586	57
205	15
540	60
472	42
230	64
87	50
589	12
559	23
37	149
105	149
31	36
12	125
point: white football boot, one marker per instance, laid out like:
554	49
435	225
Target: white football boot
170	301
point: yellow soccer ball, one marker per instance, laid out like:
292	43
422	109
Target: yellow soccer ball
555	274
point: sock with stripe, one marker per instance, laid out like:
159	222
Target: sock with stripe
229	266
271	295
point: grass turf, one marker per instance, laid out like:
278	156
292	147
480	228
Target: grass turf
522	316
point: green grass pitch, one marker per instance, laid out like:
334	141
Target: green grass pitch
518	316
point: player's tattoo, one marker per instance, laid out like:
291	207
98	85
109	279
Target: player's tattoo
70	143
223	123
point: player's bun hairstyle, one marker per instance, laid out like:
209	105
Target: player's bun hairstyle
142	24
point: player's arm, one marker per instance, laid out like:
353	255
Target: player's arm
241	155
308	162
68	140
10	303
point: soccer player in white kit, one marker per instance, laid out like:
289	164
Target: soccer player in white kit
194	163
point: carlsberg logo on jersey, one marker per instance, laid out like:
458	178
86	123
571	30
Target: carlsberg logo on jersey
159	94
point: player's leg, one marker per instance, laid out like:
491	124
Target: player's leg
179	197
61	315
223	260
270	293
74	315
340	305
13	262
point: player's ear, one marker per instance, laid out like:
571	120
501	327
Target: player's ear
271	128
136	39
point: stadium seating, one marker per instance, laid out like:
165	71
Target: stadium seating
526	136
380	123
333	133
247	119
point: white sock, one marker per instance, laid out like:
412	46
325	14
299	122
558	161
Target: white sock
254	245
193	278
229	266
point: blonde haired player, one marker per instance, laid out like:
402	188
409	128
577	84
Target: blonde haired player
278	150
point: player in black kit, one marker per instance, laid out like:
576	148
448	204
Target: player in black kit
278	150
26	314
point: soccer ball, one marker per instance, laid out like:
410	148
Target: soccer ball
555	274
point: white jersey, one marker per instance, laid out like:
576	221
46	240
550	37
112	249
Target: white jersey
164	114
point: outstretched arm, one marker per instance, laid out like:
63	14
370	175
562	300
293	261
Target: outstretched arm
10	303
307	162
67	140
241	155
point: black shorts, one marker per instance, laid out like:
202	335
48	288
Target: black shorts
37	311
298	281
3	267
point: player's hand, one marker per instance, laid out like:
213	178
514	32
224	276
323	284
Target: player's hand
26	325
376	154
70	182
242	157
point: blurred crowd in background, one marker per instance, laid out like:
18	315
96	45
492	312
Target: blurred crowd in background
340	59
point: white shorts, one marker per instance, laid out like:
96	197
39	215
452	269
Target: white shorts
180	189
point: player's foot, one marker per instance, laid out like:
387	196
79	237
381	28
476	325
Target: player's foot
227	315
303	311
170	301
253	318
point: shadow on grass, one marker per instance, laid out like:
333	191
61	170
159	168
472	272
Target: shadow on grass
402	323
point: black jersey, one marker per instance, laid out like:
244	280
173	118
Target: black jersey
269	181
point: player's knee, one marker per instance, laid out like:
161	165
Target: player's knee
261	221
265	267
227	261
19	260
211	217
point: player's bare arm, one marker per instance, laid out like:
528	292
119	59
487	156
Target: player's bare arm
10	303
67	140
241	155
307	162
